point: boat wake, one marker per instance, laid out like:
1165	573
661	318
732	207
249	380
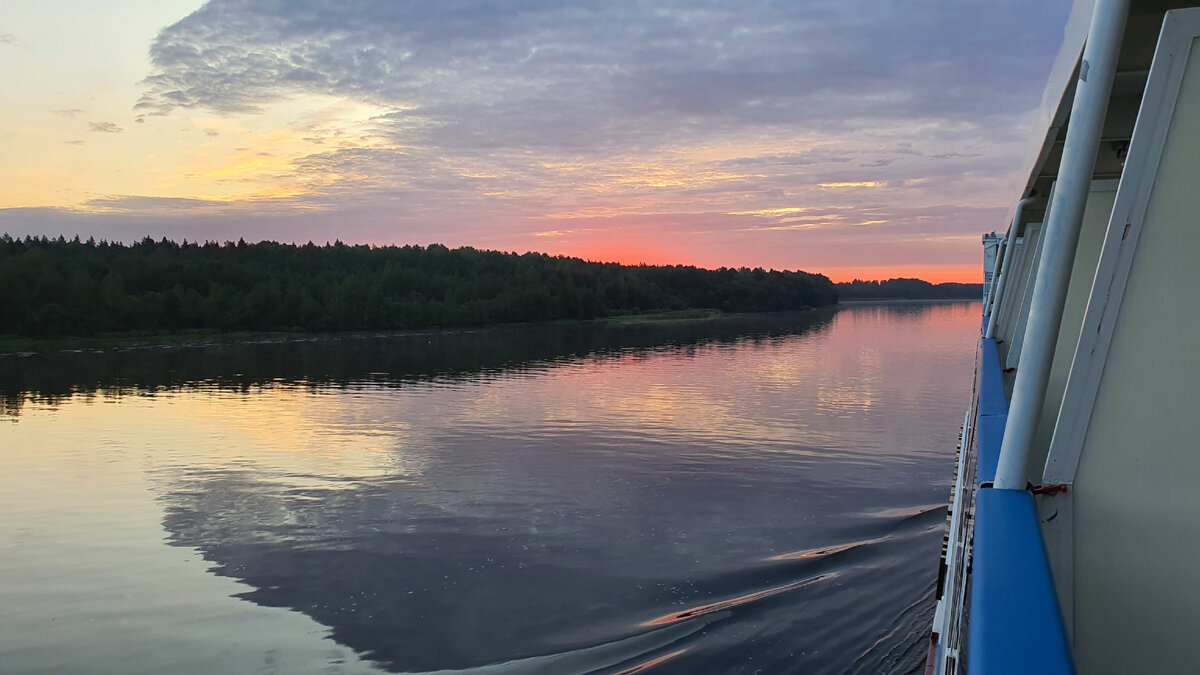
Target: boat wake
805	624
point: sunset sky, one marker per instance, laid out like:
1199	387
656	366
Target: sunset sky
855	138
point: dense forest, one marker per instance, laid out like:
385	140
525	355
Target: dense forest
909	289
61	287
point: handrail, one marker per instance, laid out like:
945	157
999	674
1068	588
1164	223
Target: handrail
1016	626
992	412
991	275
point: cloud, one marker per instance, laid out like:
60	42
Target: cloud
129	221
488	120
780	211
587	75
67	112
475	78
793	159
136	203
852	184
7	39
104	127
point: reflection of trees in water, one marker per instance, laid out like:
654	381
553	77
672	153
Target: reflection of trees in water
382	359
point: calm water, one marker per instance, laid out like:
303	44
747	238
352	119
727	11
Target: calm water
761	494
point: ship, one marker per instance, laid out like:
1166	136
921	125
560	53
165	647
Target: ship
1073	536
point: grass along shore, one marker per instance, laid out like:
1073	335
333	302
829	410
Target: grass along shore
23	346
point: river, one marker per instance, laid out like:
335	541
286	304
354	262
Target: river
747	494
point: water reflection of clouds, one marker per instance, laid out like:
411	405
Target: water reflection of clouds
304	437
516	510
795	366
700	397
98	590
724	400
844	402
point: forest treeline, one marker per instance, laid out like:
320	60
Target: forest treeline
908	289
61	287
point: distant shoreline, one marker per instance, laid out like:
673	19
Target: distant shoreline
901	301
906	289
14	346
18	347
60	288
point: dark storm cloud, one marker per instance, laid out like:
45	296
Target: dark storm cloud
595	77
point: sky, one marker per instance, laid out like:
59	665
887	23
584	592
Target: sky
856	138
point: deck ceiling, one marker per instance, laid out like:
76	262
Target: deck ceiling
1133	67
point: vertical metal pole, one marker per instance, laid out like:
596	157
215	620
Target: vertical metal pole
991	287
1009	245
1060	237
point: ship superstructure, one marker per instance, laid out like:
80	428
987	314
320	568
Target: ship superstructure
1074	535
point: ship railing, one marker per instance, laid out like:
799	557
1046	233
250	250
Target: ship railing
1053	309
1015	624
947	642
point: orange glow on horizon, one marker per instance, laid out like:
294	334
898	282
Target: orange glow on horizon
639	253
625	253
934	274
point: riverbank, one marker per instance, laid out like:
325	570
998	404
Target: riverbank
900	301
24	346
60	288
28	346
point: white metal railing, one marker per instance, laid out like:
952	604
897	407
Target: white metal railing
948	617
999	279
